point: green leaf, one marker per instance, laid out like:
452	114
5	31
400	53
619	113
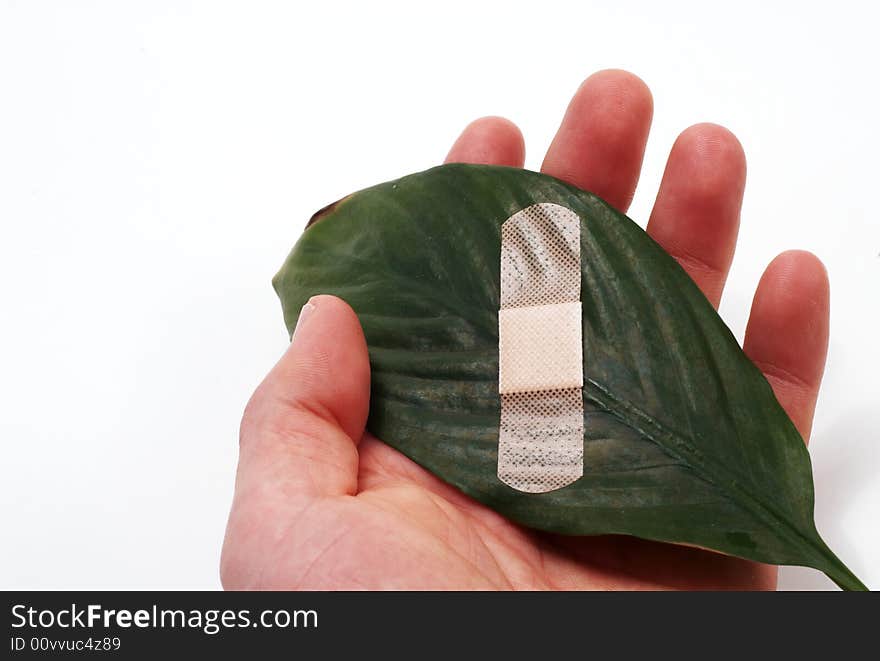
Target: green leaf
684	440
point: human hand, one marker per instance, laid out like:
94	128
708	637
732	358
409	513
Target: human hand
319	504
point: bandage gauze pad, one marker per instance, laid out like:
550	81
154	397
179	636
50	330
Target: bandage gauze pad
535	349
540	356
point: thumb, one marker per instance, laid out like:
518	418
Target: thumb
300	430
299	436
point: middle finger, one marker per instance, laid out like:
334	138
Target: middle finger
600	145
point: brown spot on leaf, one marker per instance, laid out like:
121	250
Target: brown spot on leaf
320	213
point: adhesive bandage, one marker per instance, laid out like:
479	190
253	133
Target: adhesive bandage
540	349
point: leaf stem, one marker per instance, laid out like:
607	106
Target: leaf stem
840	574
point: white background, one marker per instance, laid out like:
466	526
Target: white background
158	160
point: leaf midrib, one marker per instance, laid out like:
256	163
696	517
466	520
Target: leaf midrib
630	415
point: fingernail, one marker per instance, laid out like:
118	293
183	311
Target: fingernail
304	314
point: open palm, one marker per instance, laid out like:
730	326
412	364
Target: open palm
320	504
